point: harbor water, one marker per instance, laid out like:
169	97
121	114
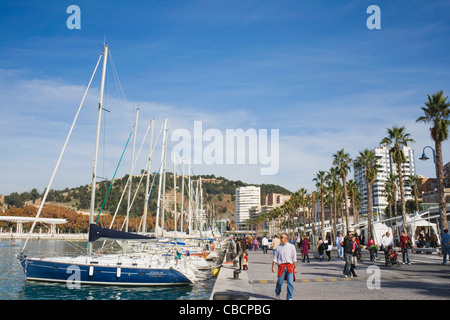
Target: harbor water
13	285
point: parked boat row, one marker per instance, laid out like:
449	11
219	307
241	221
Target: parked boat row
142	260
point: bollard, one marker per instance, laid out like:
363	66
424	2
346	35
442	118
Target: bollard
236	274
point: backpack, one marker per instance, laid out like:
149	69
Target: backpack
409	244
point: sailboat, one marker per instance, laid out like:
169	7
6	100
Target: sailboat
127	269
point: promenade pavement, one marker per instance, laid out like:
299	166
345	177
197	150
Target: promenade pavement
425	279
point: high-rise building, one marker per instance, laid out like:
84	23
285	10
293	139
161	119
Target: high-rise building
384	159
446	170
246	197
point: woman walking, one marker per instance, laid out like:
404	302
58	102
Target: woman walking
305	248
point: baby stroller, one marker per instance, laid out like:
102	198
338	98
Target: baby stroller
374	253
392	257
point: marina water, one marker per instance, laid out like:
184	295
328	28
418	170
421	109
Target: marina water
13	285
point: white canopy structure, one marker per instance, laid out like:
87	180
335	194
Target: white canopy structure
416	225
379	230
21	220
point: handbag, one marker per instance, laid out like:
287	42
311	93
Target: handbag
355	261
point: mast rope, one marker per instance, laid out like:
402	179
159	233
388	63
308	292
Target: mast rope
44	198
114	176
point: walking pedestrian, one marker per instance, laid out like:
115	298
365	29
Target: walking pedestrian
404	239
255	244
320	248
445	243
434	240
348	253
242	249
354	263
340	250
245	261
275	244
329	248
264	244
305	249
286	259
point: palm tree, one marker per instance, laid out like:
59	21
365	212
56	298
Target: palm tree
293	203
320	185
390	190
368	161
437	110
309	205
332	179
314	214
397	138
415	183
343	161
302	202
355	197
275	215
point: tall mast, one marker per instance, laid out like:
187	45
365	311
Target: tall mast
147	186
163	212
97	139
201	204
182	197
201	210
190	199
158	209
174	195
131	170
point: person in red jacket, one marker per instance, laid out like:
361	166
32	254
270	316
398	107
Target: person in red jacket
404	246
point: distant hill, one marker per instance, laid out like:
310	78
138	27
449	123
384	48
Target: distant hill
218	193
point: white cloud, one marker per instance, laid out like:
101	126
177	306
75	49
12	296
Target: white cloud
36	117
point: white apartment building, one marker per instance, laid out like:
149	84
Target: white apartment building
246	197
387	166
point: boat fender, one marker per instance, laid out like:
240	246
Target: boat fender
118	272
91	271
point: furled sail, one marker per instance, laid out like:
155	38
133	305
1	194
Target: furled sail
96	232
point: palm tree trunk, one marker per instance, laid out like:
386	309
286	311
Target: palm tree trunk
315	219
402	193
334	217
440	177
370	211
344	183
322	214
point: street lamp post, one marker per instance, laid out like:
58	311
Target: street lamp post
423	158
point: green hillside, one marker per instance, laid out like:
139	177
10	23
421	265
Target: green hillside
218	193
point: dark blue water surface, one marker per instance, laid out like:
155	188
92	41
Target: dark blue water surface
13	285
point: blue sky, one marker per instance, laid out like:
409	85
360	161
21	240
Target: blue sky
311	69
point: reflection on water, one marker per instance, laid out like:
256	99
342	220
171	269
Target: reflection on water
54	291
14	287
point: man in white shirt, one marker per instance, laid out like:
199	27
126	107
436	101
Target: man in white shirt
386	241
264	244
286	259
